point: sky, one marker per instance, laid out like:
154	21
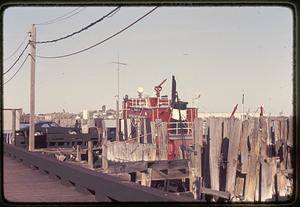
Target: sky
217	52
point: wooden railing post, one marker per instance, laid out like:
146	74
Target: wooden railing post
104	149
90	154
78	153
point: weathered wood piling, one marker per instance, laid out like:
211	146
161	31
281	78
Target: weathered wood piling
229	160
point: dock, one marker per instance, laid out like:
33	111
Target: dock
24	184
230	160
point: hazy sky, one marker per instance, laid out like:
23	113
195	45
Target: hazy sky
218	52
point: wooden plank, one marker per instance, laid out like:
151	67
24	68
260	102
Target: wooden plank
267	182
215	140
198	134
148	130
282	184
168	164
162	139
277	134
205	159
290	139
247	126
195	163
145	130
146	178
159	175
153	132
139	134
284	134
127	167
254	145
125	129
90	154
13	128
195	184
104	159
217	193
36	187
78	153
239	186
233	132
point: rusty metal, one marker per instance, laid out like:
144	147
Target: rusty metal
158	88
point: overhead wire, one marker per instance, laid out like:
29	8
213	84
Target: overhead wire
17	70
16	49
108	38
16	59
63	17
81	30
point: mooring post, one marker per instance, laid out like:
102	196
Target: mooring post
104	149
98	124
14	127
146	178
90	154
78	153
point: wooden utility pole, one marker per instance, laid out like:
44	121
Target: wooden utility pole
32	87
117	104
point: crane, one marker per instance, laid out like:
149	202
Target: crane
158	88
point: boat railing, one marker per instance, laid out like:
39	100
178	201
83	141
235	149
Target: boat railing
137	102
179	128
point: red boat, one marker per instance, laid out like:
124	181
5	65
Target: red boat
175	112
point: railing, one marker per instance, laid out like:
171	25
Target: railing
137	102
164	103
179	128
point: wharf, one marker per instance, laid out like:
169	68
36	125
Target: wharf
23	184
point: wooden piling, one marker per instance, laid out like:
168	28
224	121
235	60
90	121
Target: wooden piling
162	140
78	153
215	140
104	151
195	163
90	154
13	127
268	171
153	132
146	178
145	131
232	130
290	132
258	137
138	129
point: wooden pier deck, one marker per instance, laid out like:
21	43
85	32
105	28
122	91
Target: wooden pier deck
23	184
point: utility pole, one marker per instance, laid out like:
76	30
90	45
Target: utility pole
118	98
32	87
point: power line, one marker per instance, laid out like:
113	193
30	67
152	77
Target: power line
81	30
17	70
17	59
92	46
16	49
63	17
